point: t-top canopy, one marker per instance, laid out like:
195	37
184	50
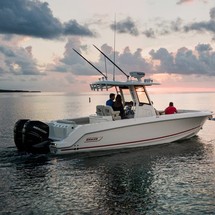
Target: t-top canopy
106	84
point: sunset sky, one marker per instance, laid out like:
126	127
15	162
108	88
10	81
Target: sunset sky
172	41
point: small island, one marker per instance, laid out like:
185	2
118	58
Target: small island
19	91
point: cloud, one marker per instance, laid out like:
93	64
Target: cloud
17	61
200	61
204	26
19	64
6	51
165	59
34	18
201	48
126	26
73	28
163	27
126	60
184	1
176	25
189	1
150	33
167	27
207	58
134	61
73	63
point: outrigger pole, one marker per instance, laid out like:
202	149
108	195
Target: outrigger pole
91	64
111	61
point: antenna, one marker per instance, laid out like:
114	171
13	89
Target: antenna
111	61
91	64
114	49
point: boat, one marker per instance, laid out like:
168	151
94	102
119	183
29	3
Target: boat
106	129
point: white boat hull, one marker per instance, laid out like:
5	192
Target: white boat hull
136	132
111	127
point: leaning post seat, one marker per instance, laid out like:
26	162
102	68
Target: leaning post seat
100	110
108	111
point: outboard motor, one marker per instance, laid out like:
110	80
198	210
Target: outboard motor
17	134
32	136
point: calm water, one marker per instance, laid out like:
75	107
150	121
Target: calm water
177	178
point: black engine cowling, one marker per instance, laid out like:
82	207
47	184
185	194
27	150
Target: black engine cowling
31	136
17	134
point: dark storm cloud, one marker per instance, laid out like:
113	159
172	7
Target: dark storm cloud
126	26
73	28
34	18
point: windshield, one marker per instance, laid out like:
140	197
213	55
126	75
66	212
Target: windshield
142	97
127	95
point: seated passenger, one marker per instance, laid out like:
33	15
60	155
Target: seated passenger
128	109
171	109
118	106
110	101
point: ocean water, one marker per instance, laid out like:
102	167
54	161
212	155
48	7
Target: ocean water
176	178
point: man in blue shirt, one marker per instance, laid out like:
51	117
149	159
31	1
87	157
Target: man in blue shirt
110	101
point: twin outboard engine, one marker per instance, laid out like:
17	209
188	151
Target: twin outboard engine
31	136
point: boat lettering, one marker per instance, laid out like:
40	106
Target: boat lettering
92	139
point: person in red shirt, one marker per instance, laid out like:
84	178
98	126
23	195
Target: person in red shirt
171	109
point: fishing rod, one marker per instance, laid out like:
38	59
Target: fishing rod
111	61
91	64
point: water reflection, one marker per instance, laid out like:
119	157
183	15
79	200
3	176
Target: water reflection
140	181
155	180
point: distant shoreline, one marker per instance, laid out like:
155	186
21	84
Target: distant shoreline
19	91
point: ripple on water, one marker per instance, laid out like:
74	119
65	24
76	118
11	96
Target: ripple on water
175	178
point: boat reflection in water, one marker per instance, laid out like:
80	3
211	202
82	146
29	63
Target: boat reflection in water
126	181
